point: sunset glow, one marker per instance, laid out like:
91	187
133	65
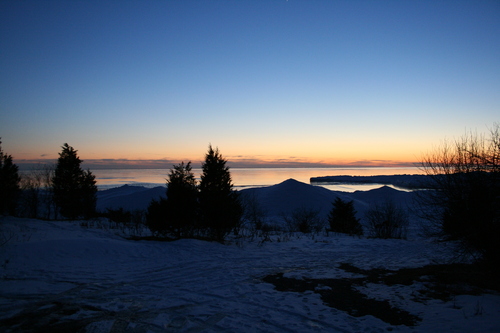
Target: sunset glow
274	84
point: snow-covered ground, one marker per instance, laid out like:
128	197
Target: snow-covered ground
66	277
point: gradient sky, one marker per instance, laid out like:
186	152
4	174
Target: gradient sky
275	82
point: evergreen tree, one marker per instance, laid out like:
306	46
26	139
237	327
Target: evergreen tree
343	219
182	200
74	189
9	183
220	205
176	215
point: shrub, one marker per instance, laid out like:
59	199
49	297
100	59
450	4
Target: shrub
118	215
252	211
305	220
387	221
156	217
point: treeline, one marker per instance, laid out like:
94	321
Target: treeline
210	209
63	191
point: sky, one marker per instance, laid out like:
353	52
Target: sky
270	83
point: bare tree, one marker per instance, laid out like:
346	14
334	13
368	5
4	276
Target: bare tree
36	199
31	185
463	202
252	210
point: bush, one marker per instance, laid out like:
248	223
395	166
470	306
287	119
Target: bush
343	219
387	221
305	220
156	217
118	215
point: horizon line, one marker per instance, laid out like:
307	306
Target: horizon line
26	164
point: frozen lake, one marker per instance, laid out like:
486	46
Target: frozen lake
250	177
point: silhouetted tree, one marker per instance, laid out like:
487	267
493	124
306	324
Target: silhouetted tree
176	215
342	218
9	183
182	200
221	210
74	189
464	203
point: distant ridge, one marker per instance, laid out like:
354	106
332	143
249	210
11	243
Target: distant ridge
403	181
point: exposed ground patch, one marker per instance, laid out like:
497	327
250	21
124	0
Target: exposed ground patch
440	281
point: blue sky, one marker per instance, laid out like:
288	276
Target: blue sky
268	82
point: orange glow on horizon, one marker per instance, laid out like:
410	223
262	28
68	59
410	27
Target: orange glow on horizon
156	156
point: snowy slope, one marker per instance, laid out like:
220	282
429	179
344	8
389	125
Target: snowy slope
275	200
291	194
60	274
128	197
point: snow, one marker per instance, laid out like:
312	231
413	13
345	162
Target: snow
95	280
128	197
282	199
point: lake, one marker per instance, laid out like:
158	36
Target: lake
250	177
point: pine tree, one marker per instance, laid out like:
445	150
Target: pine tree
182	200
220	205
74	189
9	183
343	219
177	214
